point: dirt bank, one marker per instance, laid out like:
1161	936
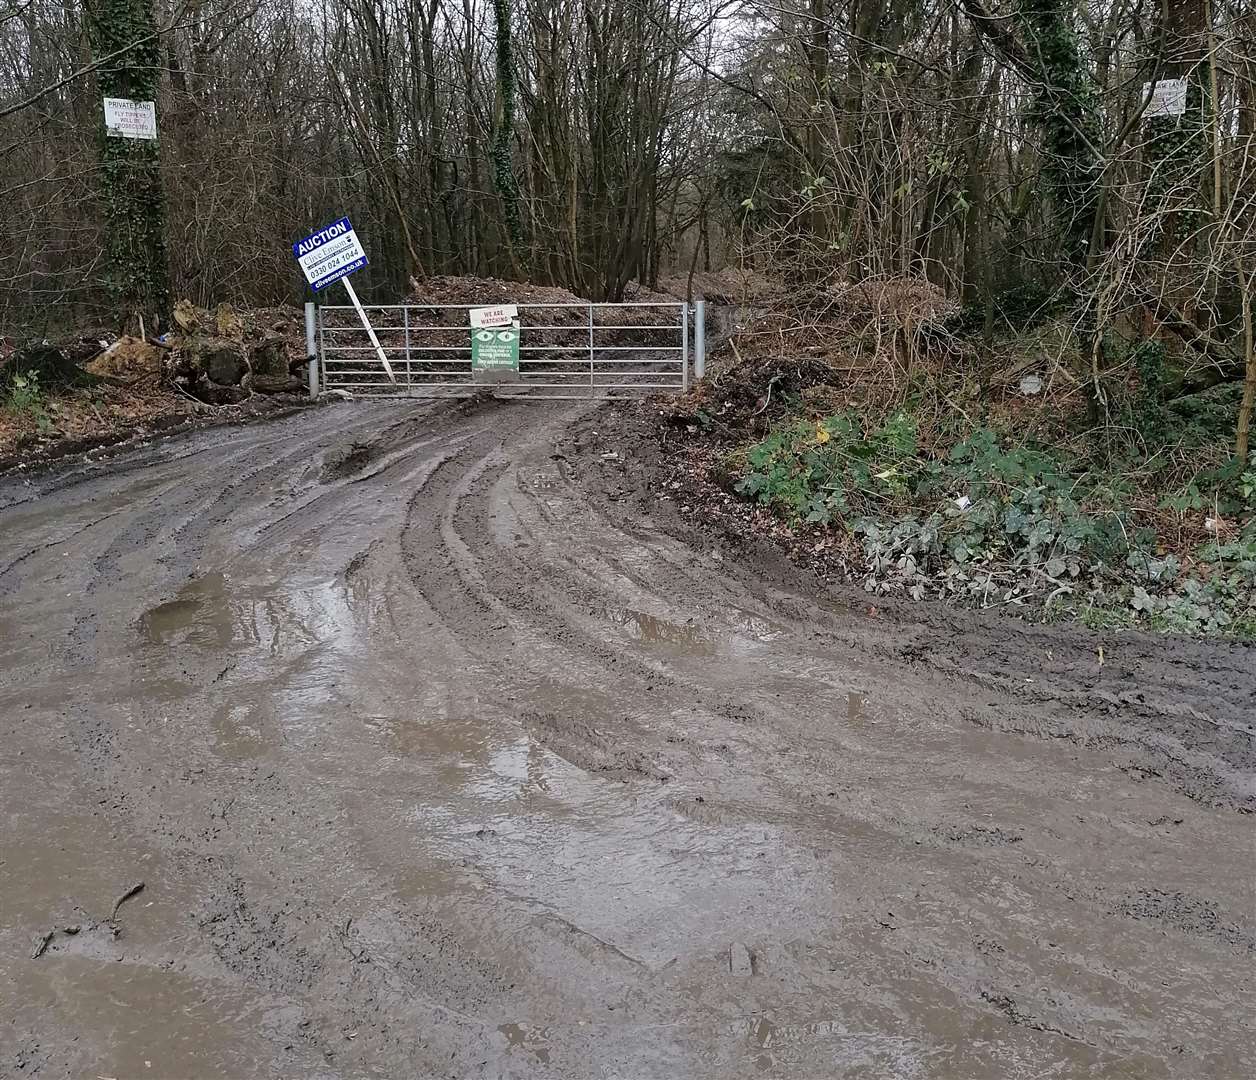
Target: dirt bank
441	752
154	424
94	389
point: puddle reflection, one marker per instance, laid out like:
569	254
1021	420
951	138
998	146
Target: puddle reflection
693	638
652	630
215	612
211	612
238	732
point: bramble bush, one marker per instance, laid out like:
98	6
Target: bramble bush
986	524
25	397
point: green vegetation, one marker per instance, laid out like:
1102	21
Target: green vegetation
25	397
24	393
1108	535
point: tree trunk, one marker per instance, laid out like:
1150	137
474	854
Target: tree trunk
503	165
818	60
1177	148
1066	114
1249	381
136	263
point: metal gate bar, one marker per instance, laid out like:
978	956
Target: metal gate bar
606	351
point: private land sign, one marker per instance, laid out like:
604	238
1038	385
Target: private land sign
330	254
127	119
1166	98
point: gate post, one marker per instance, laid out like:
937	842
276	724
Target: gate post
311	350
699	338
684	348
405	311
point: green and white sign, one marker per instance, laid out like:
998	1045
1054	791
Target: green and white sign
495	348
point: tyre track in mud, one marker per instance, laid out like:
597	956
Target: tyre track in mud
1186	703
440	758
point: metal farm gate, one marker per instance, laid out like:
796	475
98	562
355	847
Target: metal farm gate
601	351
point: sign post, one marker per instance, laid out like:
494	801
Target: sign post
332	254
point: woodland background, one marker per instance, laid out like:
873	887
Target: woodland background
591	143
994	332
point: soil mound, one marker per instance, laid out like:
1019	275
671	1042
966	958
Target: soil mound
483	291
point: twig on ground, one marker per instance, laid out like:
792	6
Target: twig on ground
767	400
41	944
134	890
192	397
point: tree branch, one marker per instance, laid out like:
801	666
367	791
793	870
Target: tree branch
87	69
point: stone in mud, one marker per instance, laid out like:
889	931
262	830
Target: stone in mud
739	962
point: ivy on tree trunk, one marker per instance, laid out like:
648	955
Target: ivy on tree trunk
130	176
1065	111
1177	147
503	166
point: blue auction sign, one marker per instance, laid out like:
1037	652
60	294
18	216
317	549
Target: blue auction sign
332	253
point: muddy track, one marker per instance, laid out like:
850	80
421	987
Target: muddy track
441	752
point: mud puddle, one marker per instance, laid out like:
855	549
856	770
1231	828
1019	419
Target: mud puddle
685	638
730	634
434	765
218	612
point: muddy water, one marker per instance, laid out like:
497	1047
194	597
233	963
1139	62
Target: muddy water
435	761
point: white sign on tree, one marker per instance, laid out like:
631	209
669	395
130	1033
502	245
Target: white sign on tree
127	119
1166	98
